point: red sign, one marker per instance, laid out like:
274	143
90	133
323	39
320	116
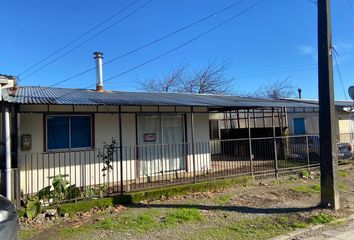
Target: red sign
149	137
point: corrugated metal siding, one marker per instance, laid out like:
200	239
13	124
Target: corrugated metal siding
65	96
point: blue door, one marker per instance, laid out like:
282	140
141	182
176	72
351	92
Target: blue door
299	126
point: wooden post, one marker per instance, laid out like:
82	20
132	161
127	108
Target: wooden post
327	121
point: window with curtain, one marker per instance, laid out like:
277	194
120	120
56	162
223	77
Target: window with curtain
67	132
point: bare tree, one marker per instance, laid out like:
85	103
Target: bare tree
210	79
170	82
276	90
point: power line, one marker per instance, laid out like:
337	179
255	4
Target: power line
175	48
339	73
153	42
77	38
87	40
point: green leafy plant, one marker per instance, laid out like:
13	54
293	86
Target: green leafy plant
89	192
60	185
59	190
33	207
107	156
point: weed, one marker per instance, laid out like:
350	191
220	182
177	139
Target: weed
183	215
322	218
223	199
342	187
305	174
308	189
342	173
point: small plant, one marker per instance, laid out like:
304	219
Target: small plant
304	174
59	184
342	173
316	188
89	192
342	187
107	156
32	207
322	218
59	190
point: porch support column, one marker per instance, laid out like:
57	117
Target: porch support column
275	146
7	151
249	140
193	147
17	139
121	150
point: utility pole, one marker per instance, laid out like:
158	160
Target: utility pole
327	120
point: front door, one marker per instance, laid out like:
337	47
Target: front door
161	147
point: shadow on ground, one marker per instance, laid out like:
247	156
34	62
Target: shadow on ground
240	209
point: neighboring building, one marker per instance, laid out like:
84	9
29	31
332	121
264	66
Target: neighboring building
305	120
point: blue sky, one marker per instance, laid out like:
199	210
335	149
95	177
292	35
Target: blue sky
274	41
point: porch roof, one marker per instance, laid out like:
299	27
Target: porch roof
69	96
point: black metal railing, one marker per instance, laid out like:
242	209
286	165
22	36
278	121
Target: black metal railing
89	173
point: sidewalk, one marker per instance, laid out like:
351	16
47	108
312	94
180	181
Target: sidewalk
343	231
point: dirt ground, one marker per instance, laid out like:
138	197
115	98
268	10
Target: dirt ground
262	210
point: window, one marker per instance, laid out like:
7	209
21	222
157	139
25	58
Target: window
299	126
214	129
66	132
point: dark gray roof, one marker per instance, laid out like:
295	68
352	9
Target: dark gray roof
66	96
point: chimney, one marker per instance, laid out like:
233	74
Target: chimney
98	56
299	90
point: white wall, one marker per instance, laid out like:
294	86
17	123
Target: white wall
84	167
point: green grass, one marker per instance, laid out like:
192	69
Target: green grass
136	197
342	187
248	229
190	188
183	215
223	199
138	223
82	206
70	232
27	233
312	189
342	173
322	218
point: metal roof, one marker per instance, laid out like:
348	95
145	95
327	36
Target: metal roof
339	104
67	96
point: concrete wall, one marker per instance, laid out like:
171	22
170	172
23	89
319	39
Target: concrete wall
344	123
84	167
311	122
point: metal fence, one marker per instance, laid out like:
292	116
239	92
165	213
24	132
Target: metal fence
101	172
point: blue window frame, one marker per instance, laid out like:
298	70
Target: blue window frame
68	132
299	126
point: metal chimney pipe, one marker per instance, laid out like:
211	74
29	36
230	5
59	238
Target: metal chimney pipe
98	56
299	90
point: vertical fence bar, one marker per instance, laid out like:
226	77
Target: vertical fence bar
275	146
308	152
249	140
193	149
121	150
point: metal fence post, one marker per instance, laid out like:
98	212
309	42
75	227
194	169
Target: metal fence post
193	148
250	141
121	151
308	152
275	147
